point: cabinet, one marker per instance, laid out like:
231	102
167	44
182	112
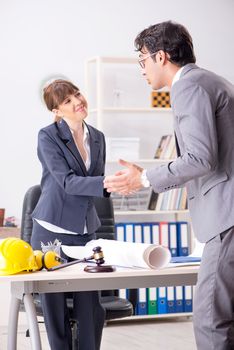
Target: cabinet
119	100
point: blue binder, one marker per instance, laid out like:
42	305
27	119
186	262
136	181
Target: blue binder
146	233
182	238
142	301
120	232
172	227
170	300
162	300
188	303
138	233
155	233
129	232
179	305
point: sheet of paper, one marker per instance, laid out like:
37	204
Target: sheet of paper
198	249
123	253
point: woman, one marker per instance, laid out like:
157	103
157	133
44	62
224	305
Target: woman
72	155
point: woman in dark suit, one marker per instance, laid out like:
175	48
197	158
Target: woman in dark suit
72	155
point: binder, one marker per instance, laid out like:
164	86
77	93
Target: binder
155	233
163	234
173	238
179	307
129	232
138	233
188	307
119	229
123	293
146	233
152	301
142	302
162	300
182	236
170	300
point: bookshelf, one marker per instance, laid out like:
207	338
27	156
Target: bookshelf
119	105
150	212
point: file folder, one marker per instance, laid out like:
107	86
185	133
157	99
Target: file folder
170	300
119	229
163	231
162	300
146	233
138	233
188	299
173	238
152	301
155	233
129	232
182	235
142	302
179	299
123	293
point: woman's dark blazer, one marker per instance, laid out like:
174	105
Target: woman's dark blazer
67	187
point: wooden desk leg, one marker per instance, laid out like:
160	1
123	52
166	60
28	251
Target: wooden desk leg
32	322
13	323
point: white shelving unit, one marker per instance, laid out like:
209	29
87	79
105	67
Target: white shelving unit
120	110
117	93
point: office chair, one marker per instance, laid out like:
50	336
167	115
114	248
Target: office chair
114	306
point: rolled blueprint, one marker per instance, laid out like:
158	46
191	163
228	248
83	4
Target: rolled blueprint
125	254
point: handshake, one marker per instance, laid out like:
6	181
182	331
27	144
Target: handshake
126	181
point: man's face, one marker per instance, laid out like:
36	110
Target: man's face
152	68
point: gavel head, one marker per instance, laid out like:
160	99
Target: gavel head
98	255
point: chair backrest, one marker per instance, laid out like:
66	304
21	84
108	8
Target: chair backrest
104	207
30	201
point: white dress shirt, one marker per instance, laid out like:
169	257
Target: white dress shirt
144	180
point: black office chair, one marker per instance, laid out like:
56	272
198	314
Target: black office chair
115	306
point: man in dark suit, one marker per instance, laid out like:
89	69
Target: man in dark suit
203	108
72	155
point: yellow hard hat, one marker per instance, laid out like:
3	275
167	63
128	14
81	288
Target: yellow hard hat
16	256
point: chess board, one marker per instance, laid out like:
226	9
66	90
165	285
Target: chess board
161	99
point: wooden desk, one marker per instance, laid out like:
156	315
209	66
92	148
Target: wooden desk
73	278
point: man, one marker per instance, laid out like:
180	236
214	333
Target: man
203	109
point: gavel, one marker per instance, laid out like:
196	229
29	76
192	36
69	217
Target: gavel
97	255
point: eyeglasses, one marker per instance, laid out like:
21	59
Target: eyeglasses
141	61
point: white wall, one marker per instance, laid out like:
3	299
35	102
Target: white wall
39	38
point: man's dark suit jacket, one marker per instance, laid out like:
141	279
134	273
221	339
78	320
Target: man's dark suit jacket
67	187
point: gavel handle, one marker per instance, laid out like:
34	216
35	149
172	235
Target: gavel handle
70	263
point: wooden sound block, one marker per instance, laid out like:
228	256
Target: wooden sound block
99	268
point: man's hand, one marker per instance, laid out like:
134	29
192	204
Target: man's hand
125	181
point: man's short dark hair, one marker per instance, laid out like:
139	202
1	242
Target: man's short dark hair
173	38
